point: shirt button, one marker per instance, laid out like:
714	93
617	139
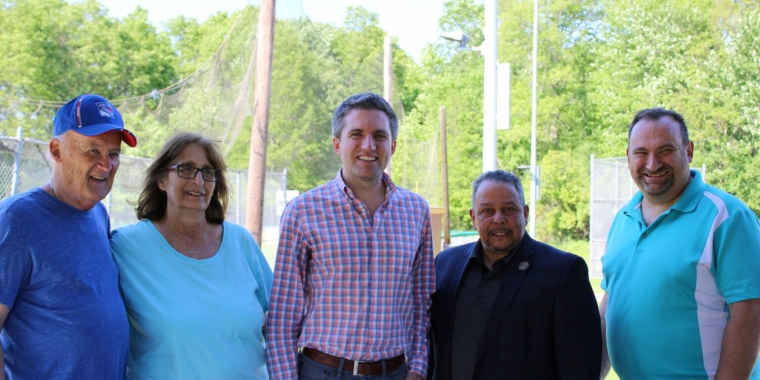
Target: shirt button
644	235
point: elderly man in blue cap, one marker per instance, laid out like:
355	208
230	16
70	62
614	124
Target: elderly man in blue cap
60	310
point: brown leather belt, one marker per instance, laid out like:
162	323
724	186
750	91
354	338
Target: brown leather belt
362	368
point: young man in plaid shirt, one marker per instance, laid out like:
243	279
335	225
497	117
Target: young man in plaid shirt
354	271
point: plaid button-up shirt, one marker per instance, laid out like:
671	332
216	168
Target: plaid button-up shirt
349	284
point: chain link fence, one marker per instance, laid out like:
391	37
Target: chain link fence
611	188
25	164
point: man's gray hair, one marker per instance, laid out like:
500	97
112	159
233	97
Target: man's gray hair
500	176
364	101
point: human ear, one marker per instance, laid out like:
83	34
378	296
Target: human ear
55	150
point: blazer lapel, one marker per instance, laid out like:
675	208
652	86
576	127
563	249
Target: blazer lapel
518	268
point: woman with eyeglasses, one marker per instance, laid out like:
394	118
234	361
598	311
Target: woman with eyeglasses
196	288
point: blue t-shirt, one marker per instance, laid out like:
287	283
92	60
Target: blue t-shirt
193	319
669	284
66	319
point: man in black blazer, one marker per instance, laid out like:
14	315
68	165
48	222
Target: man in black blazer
510	307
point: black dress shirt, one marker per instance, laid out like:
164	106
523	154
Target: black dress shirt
476	296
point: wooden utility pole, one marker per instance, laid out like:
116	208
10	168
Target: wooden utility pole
257	162
445	175
388	79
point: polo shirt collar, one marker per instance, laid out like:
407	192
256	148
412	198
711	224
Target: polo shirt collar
692	194
687	202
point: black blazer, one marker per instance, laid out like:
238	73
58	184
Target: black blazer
544	323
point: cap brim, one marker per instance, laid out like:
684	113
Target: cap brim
99	129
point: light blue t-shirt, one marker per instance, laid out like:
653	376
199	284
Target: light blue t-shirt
66	319
669	284
193	319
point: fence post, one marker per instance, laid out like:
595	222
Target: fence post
617	184
285	182
239	200
704	173
17	160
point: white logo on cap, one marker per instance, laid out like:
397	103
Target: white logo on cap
105	109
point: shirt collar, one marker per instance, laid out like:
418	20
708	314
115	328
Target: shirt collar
477	252
692	194
390	187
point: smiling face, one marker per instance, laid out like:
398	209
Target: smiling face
85	167
184	194
499	216
365	146
658	160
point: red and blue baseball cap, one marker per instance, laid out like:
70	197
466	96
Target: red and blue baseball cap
91	115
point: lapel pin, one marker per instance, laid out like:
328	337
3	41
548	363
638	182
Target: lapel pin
523	265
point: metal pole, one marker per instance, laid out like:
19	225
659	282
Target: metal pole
489	53
17	160
533	118
617	184
239	200
704	173
388	79
632	188
591	214
445	176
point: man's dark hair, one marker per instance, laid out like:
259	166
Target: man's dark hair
654	114
365	101
500	176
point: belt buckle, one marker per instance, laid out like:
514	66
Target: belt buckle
356	367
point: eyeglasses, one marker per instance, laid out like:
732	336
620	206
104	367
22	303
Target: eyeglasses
189	172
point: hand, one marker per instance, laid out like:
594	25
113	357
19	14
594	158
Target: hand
413	376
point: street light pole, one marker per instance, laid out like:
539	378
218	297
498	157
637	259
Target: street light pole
533	118
489	52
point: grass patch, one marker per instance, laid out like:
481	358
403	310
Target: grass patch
595	285
580	248
269	248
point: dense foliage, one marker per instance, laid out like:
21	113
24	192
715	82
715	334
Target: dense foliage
599	62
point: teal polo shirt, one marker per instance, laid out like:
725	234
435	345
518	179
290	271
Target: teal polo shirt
669	284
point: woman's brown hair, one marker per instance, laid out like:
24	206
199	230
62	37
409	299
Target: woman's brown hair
152	202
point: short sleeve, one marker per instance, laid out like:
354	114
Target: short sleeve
15	260
263	275
737	256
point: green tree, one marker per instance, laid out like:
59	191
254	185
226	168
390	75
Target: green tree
455	80
565	211
55	50
727	130
299	125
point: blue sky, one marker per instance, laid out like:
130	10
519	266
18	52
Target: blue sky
413	22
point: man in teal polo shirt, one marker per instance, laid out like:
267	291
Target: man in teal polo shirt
681	269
